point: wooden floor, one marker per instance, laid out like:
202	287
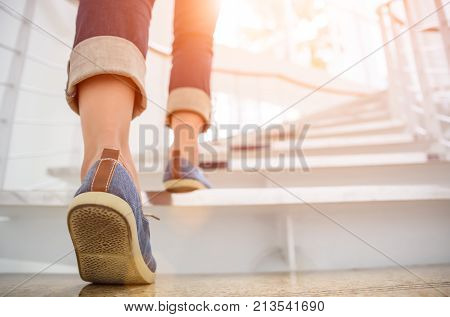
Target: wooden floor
420	281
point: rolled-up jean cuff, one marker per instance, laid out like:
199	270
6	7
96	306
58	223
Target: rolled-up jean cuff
102	55
189	99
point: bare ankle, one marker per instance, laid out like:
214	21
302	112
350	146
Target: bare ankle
187	127
187	152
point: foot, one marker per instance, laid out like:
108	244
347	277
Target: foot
110	234
183	176
182	173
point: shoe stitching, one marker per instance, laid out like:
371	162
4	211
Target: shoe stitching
110	174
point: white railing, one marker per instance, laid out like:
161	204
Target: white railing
418	67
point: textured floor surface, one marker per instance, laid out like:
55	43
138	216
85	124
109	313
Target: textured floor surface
414	281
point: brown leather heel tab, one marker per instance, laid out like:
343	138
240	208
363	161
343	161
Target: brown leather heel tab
110	154
176	164
105	170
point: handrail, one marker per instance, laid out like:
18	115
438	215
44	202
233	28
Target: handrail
160	50
164	53
290	80
399	21
420	101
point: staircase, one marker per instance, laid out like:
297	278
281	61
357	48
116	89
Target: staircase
372	196
374	192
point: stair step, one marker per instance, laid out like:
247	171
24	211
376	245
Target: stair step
256	230
256	197
267	197
375	133
347	141
376	127
411	173
377	143
414	173
295	162
325	170
377	115
315	150
322	161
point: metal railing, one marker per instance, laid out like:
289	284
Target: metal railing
418	68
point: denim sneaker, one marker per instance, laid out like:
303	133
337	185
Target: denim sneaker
110	234
181	176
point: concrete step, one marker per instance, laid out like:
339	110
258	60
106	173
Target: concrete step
263	199
375	115
324	161
358	113
414	173
364	169
323	170
260	199
359	130
370	128
378	143
255	230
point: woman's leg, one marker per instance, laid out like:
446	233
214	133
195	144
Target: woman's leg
106	74
106	87
189	104
114	96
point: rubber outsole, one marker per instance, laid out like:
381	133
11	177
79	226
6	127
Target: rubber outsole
183	185
104	235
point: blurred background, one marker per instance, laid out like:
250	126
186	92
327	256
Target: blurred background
378	146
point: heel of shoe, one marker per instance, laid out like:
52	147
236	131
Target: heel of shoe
104	234
183	185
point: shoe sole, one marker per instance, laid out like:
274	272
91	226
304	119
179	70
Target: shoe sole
104	235
183	185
